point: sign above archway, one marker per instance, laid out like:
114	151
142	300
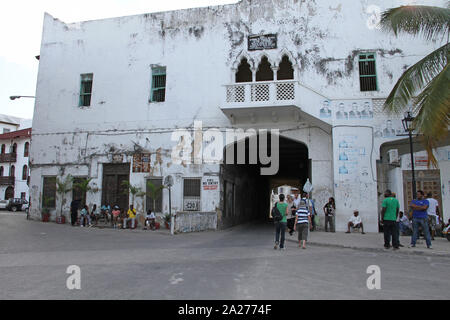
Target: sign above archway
262	42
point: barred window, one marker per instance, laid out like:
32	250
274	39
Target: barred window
367	72
49	192
158	84
86	89
25	172
191	194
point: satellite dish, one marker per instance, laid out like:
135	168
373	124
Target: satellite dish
168	181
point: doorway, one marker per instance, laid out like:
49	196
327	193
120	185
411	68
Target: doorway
114	192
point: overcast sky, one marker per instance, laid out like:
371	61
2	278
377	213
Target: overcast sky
21	30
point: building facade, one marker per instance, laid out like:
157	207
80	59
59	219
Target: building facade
231	101
14	165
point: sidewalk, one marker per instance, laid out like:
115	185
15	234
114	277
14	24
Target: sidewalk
373	242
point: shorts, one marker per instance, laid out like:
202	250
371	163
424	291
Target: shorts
302	229
432	222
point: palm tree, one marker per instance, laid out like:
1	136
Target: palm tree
134	190
62	187
425	84
154	192
83	186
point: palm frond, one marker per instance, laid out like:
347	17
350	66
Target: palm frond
426	21
416	78
432	107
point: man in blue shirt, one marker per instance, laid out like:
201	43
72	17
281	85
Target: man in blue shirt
420	218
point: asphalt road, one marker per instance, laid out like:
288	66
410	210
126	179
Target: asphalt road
238	263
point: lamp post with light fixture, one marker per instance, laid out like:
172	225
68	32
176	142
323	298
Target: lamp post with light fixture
18	97
407	122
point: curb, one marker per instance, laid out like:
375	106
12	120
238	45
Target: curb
431	253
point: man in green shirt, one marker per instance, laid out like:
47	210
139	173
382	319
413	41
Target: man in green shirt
280	226
389	213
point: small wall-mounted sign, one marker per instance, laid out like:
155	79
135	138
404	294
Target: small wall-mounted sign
117	158
210	184
262	42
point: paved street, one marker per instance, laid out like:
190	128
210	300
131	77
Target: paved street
237	263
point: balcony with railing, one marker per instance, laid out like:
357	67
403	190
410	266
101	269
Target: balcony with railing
8	157
7	181
263	93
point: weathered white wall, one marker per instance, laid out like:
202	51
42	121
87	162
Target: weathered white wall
200	49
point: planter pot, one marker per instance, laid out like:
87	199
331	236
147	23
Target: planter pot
61	220
45	217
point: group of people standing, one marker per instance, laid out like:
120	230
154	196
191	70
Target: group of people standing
298	214
425	217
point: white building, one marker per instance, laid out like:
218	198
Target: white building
111	93
14	166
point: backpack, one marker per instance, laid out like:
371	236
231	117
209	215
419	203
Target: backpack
276	214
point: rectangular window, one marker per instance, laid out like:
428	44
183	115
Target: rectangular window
23	195
49	192
6	130
191	194
367	72
86	89
158	84
155	206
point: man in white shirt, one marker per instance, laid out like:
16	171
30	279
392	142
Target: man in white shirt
433	214
355	222
150	219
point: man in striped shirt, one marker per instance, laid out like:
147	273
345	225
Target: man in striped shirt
302	223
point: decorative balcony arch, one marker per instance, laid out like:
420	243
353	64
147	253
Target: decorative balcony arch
265	70
244	72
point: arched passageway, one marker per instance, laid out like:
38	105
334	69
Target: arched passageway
246	192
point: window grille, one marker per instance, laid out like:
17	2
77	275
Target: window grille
191	194
367	72
158	84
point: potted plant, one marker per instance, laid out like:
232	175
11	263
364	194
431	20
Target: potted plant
167	220
46	209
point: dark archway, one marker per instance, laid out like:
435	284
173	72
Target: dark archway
246	193
285	70
244	74
264	72
9	193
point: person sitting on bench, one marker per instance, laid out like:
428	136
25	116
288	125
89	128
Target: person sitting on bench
355	222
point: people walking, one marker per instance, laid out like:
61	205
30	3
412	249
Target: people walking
420	219
280	226
329	209
291	217
302	223
389	214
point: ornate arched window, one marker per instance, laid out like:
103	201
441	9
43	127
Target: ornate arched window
14	148
264	72
26	149
12	171
25	172
285	70
3	148
244	74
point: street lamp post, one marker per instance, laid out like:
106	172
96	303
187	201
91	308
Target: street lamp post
18	97
407	122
